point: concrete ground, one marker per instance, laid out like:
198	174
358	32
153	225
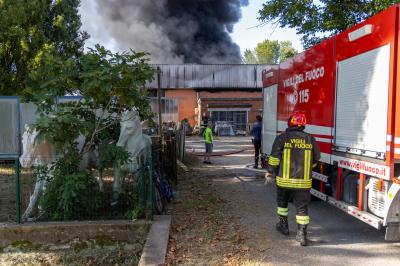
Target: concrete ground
335	238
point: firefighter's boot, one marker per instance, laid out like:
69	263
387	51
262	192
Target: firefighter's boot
301	236
283	226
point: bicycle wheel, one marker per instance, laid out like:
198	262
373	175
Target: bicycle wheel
159	204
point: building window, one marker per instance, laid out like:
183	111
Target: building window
153	93
169	109
238	119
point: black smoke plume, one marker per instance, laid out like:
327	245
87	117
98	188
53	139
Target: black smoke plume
175	31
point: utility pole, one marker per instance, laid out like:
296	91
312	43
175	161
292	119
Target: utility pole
159	100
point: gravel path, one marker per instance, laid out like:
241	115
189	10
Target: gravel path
336	238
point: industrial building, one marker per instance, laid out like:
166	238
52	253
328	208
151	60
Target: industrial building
222	93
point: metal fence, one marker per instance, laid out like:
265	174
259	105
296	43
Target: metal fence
18	185
24	197
181	140
8	195
165	155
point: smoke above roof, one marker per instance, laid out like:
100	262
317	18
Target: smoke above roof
175	31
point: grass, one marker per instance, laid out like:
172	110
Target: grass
25	245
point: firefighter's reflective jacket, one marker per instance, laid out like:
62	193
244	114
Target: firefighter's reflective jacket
294	154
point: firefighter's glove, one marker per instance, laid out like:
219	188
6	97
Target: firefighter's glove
269	179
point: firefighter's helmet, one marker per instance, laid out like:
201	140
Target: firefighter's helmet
297	118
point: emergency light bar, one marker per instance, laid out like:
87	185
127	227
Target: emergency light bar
361	32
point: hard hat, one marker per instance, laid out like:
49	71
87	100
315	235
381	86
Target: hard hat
297	118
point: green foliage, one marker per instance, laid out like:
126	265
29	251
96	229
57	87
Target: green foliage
249	57
41	59
64	124
71	194
269	52
132	203
316	20
104	80
286	51
138	212
29	29
111	155
108	83
41	172
122	76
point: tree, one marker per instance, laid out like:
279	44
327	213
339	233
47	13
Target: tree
250	57
109	83
269	52
286	50
30	28
316	20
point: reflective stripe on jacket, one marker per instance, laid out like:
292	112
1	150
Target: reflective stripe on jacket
294	154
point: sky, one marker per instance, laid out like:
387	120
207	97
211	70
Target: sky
247	32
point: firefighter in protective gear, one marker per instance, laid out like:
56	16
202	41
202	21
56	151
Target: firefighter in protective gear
294	154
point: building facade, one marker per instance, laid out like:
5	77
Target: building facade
222	93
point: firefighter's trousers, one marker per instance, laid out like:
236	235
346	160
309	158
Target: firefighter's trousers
301	199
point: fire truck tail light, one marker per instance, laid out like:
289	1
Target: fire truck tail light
380	185
361	32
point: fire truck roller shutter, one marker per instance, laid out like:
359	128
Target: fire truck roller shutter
362	103
270	108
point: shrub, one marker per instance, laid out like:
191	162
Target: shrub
71	194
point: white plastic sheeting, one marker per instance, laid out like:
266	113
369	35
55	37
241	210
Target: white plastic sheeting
169	109
28	115
9	127
223	128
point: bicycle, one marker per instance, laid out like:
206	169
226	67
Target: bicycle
163	193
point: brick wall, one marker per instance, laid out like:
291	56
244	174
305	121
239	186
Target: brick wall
187	103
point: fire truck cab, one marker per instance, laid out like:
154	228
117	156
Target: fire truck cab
349	88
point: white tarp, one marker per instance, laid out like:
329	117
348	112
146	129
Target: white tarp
28	115
9	127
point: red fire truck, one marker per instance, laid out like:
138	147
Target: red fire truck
349	88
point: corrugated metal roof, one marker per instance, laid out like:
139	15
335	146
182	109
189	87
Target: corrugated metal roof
209	76
229	104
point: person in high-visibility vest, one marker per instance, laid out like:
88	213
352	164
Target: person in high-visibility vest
294	154
208	139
